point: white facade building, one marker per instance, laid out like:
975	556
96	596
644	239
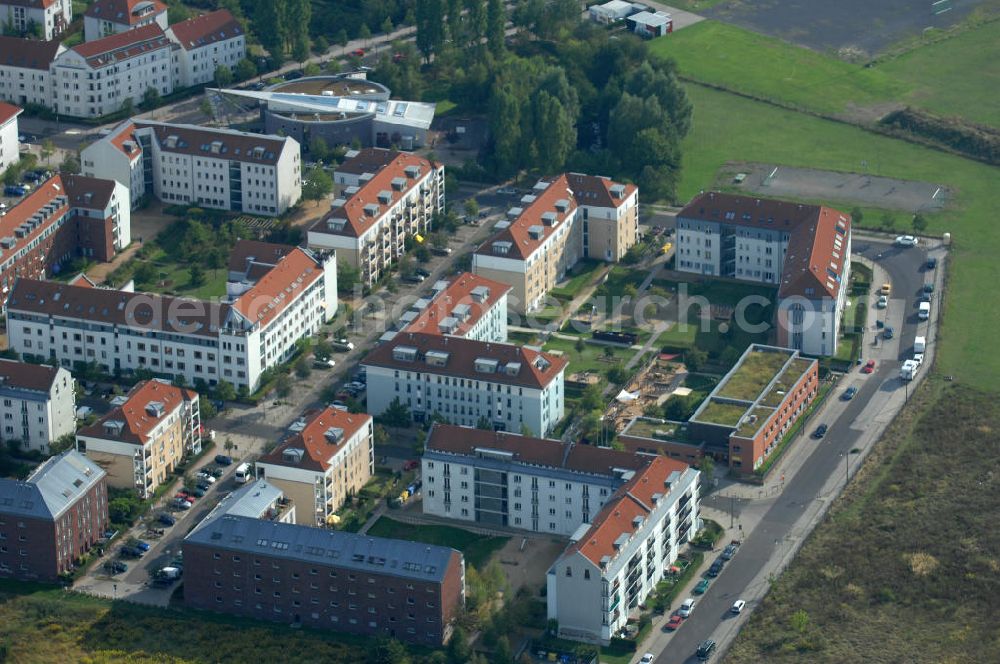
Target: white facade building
37	404
467	382
206	43
47	19
199	340
186	164
614	562
10	146
805	250
96	78
24	70
109	17
510	480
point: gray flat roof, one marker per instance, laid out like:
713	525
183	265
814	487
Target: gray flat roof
52	488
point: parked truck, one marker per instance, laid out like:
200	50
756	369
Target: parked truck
909	370
920	344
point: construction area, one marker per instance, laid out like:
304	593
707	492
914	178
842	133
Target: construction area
653	384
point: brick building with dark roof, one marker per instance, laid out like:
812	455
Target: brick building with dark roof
51	519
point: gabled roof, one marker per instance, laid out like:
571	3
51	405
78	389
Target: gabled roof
632	499
137	417
27	376
88	193
536	222
366	160
354	213
206	29
52	488
816	260
252	501
216	143
28	53
534	369
475	293
8	112
17	230
322	438
124	12
30	3
599	191
333	548
528	450
122	46
247	251
275	290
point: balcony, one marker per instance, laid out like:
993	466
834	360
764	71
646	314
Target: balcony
277	511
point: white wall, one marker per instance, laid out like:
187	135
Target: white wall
9	145
22	85
114	83
101	159
96	28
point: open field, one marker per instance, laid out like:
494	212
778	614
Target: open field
591	358
925	509
727	127
477	548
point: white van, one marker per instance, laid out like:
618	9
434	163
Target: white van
925	311
920	344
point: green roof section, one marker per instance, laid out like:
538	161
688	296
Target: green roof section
753	374
720	412
753	422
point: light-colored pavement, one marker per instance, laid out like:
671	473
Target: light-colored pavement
682	18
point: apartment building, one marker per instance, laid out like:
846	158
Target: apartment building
24	70
506	479
467	306
51	519
10	146
369	222
97	77
326	579
467	382
37	404
318	467
65	216
561	221
44	19
255	500
104	18
614	562
804	250
141	440
198	340
214	168
206	42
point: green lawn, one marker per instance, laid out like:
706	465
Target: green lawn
592	358
957	76
581	276
727	127
748	62
477	548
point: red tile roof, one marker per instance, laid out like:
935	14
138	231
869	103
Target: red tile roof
125	133
292	275
533	451
45	193
632	499
8	112
206	29
28	53
317	448
367	160
138	421
235	145
123	45
88	193
459	291
596	190
124	12
30	3
353	211
266	253
813	265
518	233
537	369
37	377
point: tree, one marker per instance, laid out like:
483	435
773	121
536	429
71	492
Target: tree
312	69
348	277
799	620
430	32
496	18
283	385
677	408
300	49
71	164
458	647
271	30
730	356
48	149
555	132
707	467
318	149
888	220
317	184
695	359
224	391
245	69
591	399
919	223
196	275
502	653
364	33
618	375
62	443
388	651
856	216
302	369
387	26
128	107
396	414
341	39
229	445
580	345
471	208
422	253
223	76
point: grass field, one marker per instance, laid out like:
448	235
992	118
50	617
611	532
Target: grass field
727	127
957	76
925	509
591	358
477	548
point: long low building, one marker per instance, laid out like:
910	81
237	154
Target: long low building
222	169
37	404
506	479
173	337
613	563
467	382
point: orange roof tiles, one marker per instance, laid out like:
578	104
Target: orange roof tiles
632	499
519	233
595	190
206	29
123	12
8	112
123	45
318	450
293	274
459	292
138	421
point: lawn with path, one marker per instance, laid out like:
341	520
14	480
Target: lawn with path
476	548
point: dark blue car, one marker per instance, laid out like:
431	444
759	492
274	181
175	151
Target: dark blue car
14	190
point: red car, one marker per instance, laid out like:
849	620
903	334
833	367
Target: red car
869	367
186	496
358	52
398	57
411	464
672	624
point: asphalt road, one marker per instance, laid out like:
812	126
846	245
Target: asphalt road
770	539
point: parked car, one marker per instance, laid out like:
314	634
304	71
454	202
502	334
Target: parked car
888	332
715	569
869	367
31	176
686	608
702	587
886	289
216	472
647	658
849	393
442	251
931	263
130	552
293	75
182	503
14	190
206	476
223	460
738	606
929	287
906	241
324	363
358	52
820	431
705	649
166	519
422	272
883	302
413	278
199	490
729	552
344	343
674	622
411	464
398	57
115	567
339	405
142	546
507	191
